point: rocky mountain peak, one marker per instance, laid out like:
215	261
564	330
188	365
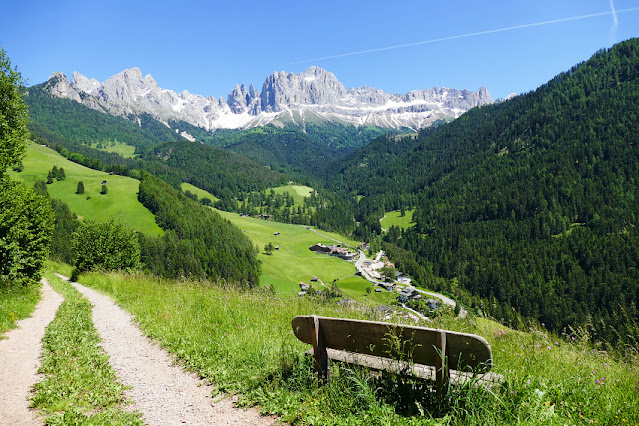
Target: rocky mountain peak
59	86
311	87
83	84
284	96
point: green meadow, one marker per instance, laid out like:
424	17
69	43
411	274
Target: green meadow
298	192
200	193
116	147
394	218
352	287
119	202
294	262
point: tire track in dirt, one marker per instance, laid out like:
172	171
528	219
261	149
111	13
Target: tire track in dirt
164	393
20	360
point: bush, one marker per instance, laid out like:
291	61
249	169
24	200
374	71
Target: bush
109	245
26	226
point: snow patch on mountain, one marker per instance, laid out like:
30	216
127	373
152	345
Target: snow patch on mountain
284	95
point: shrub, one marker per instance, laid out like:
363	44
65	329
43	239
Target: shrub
109	245
26	226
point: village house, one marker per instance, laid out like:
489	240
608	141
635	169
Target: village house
334	250
402	278
304	288
409	293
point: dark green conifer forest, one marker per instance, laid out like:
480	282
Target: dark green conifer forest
529	204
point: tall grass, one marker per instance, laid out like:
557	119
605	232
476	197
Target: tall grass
243	343
17	303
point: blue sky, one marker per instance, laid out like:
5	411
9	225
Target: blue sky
206	47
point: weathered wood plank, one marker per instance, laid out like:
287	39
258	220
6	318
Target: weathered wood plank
464	351
426	372
319	349
441	364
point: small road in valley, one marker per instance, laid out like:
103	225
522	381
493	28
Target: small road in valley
359	264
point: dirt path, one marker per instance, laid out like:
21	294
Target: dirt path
19	360
165	394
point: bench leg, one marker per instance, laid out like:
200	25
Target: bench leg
319	350
442	373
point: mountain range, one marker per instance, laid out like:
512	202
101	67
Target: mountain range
314	96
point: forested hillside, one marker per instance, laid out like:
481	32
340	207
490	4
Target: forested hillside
197	242
69	124
74	125
531	203
75	130
291	149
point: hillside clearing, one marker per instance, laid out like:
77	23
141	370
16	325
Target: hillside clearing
394	218
298	192
120	201
200	193
115	146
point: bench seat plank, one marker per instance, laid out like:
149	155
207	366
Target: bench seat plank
372	338
421	371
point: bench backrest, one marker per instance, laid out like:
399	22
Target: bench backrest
387	340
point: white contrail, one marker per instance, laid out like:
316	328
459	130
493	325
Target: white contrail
612	35
497	30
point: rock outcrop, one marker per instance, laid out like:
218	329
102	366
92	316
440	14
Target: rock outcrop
286	97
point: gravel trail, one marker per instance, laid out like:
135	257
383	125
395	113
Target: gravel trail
165	394
19	360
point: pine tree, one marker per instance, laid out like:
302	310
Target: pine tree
80	189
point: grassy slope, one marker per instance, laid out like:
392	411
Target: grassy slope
299	192
117	147
121	200
294	262
243	343
197	191
393	218
16	304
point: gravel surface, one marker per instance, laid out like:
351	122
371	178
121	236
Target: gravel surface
164	393
19	360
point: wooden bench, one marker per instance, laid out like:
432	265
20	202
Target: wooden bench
431	354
